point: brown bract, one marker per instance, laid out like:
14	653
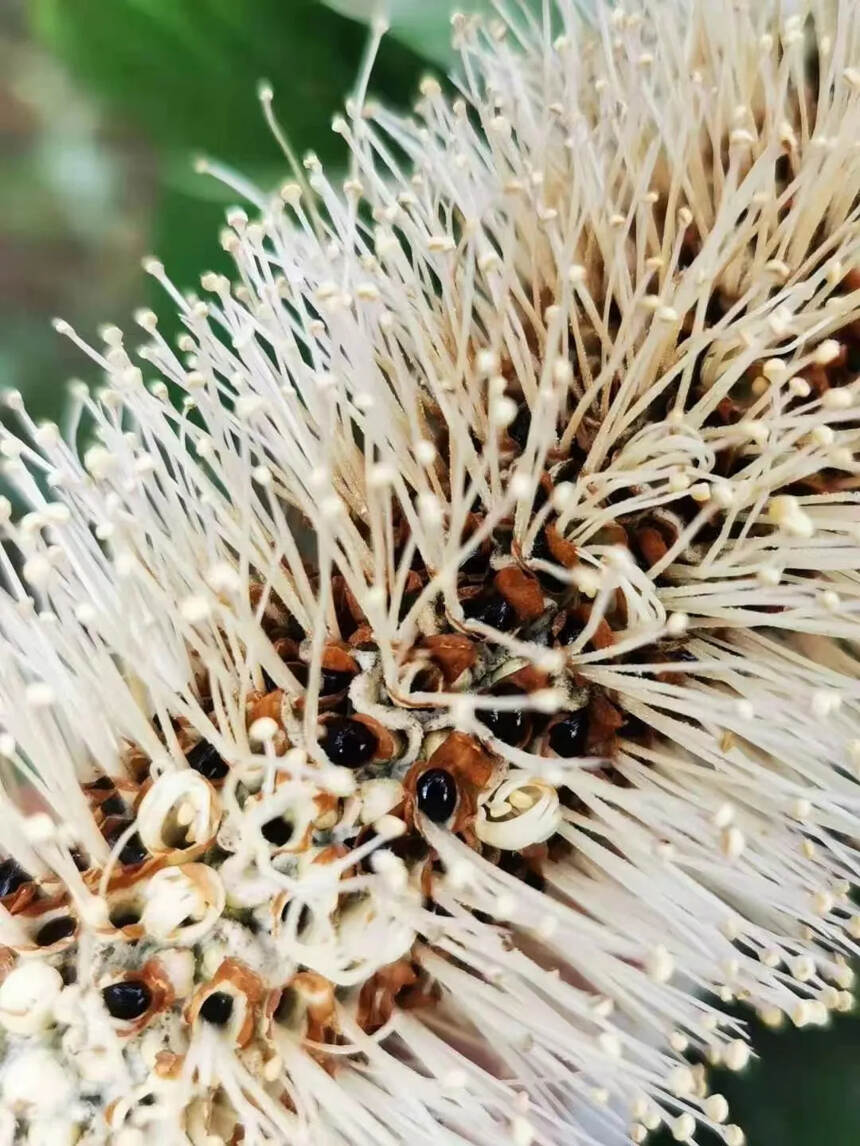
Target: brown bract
162	996
523	680
470	765
604	720
335	657
168	1064
602	637
18	900
274	617
265	704
387	743
36	914
315	999
392	986
454	653
247	988
8	959
562	550
521	589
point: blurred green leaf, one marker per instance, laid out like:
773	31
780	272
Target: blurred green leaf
424	25
802	1089
185	73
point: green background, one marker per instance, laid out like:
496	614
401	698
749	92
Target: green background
103	103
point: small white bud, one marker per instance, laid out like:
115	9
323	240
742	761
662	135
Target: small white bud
732	843
737	1055
659	964
716	1108
263	730
827	352
684	1126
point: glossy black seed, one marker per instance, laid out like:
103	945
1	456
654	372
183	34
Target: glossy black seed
133	851
305	916
634	728
125	918
515	864
519	428
348	743
477	562
103	784
217	1008
532	878
437	794
333	681
507	725
568	737
127	1000
54	930
411	848
203	758
277	831
423	681
570	631
12	875
714	311
114	805
494	611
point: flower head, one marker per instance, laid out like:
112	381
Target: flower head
407	730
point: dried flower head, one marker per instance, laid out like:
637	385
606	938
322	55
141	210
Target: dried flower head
412	732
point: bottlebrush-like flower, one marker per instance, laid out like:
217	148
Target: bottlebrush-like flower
406	731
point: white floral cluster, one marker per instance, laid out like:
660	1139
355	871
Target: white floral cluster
429	691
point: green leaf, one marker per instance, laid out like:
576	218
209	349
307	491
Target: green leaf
801	1090
186	71
184	75
424	25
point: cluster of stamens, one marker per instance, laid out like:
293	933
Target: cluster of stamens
558	724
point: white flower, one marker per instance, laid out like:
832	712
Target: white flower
495	573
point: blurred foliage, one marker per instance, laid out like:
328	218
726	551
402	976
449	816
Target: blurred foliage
187	70
76	193
424	25
186	73
99	117
802	1088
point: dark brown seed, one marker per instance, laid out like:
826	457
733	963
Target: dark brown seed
217	1008
568	737
277	831
128	999
203	758
12	875
436	793
348	743
54	930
